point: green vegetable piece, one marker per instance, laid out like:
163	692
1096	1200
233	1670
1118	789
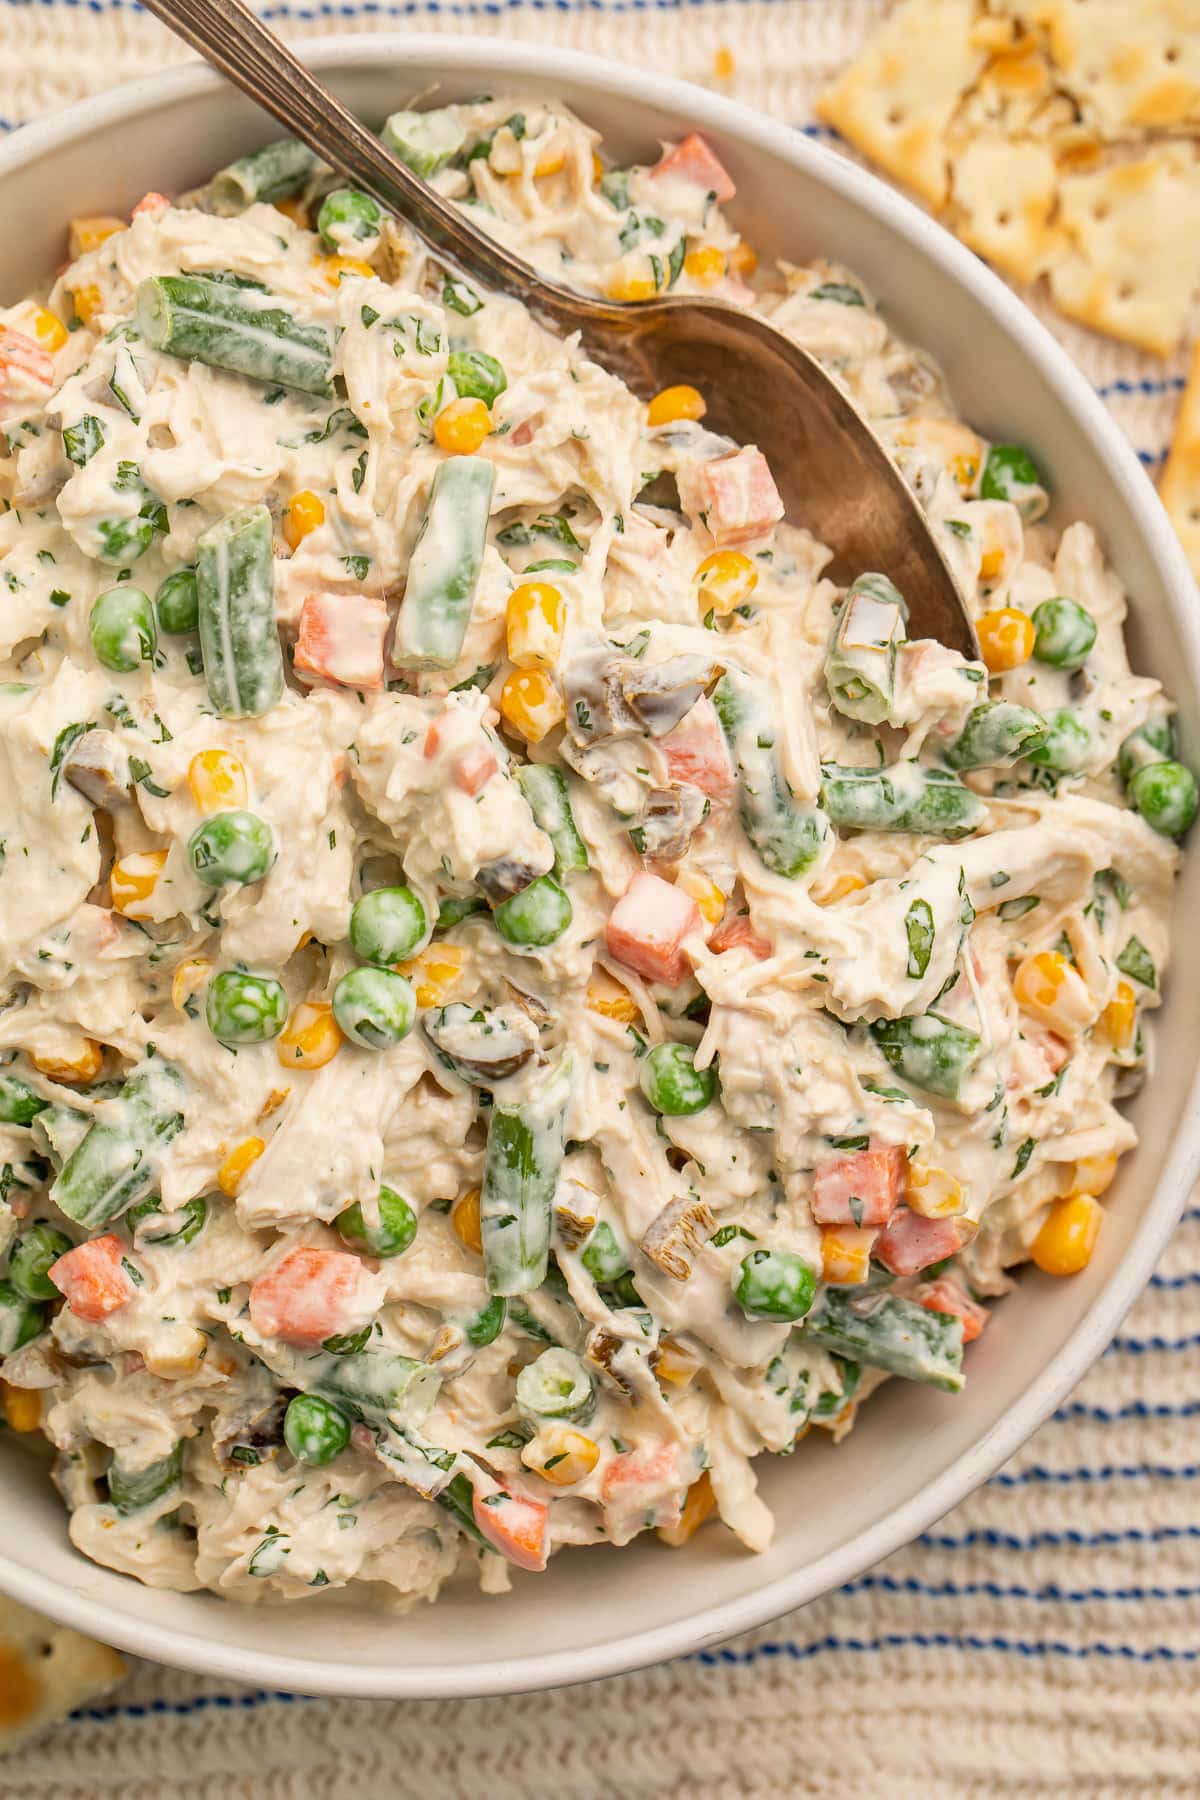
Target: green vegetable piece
477	375
458	297
1155	741
1165	795
374	1007
487	1325
603	1257
388	925
81	442
545	788
178	603
774	1284
380	1384
520	1174
919	929
997	733
122	629
393	1234
886	1332
1065	631
161	1228
1010	473
444	571
425	141
1068	744
21	1319
840	292
673	1084
132	1490
31	1256
272	173
860	663
535	917
1136	962
829	1404
455	908
901	797
117	1163
19	1105
930	1051
231	849
235	583
348	218
556	1386
243	329
245	1009
315	1430
787	837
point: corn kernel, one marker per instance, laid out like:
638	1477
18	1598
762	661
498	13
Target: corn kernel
179	1357
932	1192
611	1000
700	1504
295	209
706	894
311	1037
49	330
743	259
22	1407
828	890
1118	1021
132	882
676	1364
1005	636
272	1103
238	1164
705	266
551	162
89	233
188	979
531	704
955	443
597	170
302	514
72	1071
845	1255
724	581
465	1219
435	972
334	268
1095	1174
217	780
674	403
88	302
724	64
1066	1240
1047	986
631	284
534	621
461	427
561	1456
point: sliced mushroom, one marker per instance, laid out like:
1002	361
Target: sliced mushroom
479	1044
510	875
677	1233
574	1216
255	1426
528	1003
670	819
611	695
99	769
663	694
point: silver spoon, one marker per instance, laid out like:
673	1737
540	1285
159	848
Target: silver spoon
834	475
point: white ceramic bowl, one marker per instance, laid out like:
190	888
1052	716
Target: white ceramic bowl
915	1453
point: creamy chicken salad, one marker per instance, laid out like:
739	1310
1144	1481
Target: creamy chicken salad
519	993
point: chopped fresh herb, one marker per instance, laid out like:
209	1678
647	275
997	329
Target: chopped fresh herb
1136	962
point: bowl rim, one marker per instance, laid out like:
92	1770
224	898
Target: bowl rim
1075	396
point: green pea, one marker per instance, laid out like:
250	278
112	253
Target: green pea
1010	473
245	1009
231	849
374	1007
348	216
536	916
623	1291
388	926
177	604
603	1257
1165	795
476	375
1065	631
673	1084
31	1256
1067	745
1155	741
315	1430
775	1284
487	1325
20	1318
122	629
19	1105
178	1227
395	1231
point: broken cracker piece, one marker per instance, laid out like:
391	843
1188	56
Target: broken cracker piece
46	1671
1005	195
1132	66
896	101
1180	484
1133	262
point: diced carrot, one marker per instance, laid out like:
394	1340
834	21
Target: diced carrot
313	1294
908	1242
151	203
647	926
436	736
26	370
734	496
860	1189
341	639
696	752
516	1526
475	768
738	933
946	1296
692	161
93	1280
655	1466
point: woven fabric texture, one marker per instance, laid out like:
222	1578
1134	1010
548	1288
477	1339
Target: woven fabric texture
1044	1639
